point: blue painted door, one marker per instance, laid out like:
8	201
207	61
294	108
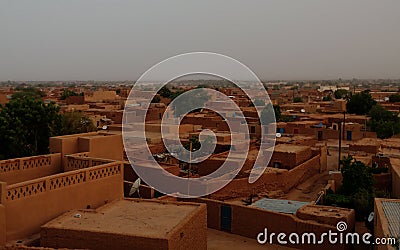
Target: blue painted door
226	218
349	135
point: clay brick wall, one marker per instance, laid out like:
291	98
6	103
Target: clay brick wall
250	221
100	96
304	214
3	99
280	180
289	160
209	165
82	160
66	144
46	198
383	181
326	133
381	161
395	171
155	113
191	233
98	240
75	100
207	122
27	168
3	231
129	174
373	149
106	147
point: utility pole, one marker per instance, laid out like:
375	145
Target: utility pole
190	158
344	123
340	143
190	166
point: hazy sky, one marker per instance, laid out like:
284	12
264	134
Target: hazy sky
119	40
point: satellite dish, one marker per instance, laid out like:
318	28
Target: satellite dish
104	127
135	187
278	135
371	217
302	110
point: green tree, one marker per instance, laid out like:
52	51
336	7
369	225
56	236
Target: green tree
194	140
165	92
385	123
28	92
268	113
156	99
297	99
394	98
257	102
360	103
341	94
357	189
76	122
67	93
356	176
278	113
189	102
26	125
327	98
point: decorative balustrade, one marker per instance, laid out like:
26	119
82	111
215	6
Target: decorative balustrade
67	179
97	162
74	163
81	154
36	161
25	163
82	160
63	180
9	165
25	189
105	171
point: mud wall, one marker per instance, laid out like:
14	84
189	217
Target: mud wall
30	204
250	221
279	179
27	168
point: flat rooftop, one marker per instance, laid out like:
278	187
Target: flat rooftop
366	142
295	138
391	143
132	217
280	206
289	148
326	211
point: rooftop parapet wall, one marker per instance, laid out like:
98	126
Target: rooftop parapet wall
27	168
272	179
81	161
250	221
48	197
100	145
130	224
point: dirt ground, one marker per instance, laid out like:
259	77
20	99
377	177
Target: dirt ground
308	190
218	240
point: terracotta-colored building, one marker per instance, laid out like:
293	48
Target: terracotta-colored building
287	156
130	224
